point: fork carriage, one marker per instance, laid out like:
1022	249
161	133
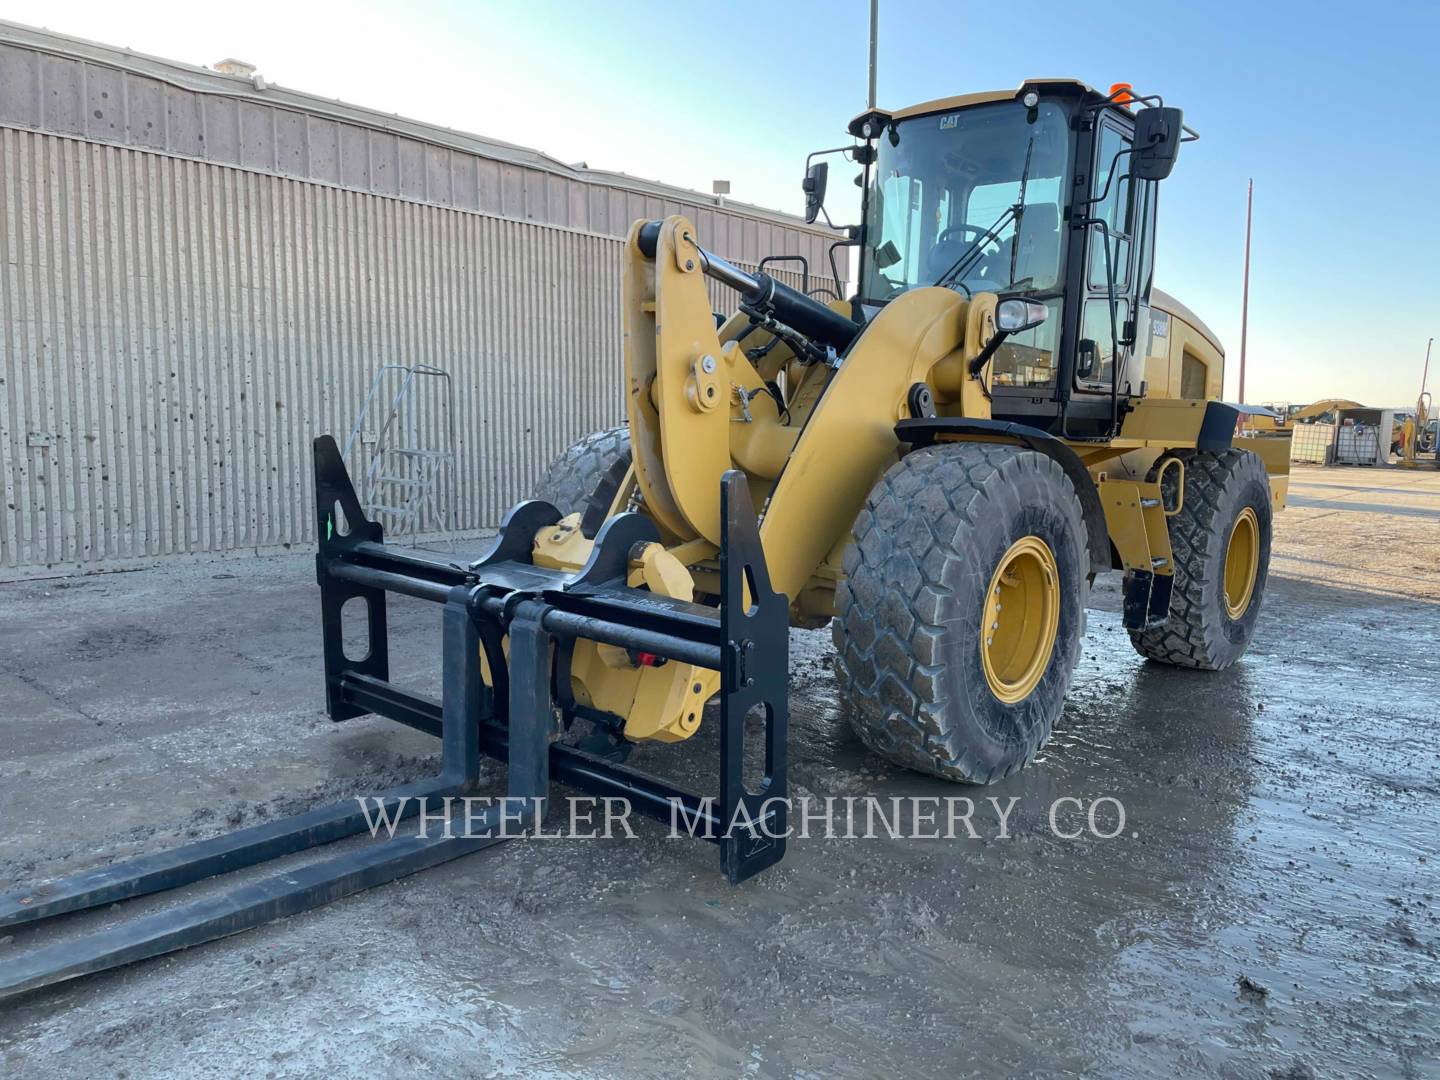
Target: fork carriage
524	621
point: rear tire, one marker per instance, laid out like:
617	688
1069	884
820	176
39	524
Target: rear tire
923	682
587	476
1212	611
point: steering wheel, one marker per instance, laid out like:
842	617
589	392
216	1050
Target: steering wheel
965	229
949	246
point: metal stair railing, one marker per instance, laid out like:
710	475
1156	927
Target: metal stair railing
402	479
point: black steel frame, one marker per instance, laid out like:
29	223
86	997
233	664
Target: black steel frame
498	600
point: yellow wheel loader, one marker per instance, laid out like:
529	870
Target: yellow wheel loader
1286	417
1420	435
937	467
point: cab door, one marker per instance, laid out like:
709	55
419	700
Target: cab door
1108	318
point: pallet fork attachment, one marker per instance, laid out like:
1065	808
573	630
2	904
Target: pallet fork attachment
516	718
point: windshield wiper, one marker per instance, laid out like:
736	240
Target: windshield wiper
1020	208
971	253
1015	212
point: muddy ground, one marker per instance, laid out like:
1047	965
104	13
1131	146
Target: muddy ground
1269	909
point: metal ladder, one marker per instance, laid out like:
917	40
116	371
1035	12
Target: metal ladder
402	478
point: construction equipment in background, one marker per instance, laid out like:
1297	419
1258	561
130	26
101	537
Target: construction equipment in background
1420	436
1285	417
1314	432
938	467
412	455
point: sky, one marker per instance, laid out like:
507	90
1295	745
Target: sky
1327	106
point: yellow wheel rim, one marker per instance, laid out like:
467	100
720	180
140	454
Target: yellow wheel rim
1242	563
1022	614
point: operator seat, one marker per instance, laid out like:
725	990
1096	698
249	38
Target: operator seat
1038	256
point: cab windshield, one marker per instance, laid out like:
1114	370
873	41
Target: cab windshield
946	202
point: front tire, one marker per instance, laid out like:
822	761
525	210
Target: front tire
1221	545
586	478
960	616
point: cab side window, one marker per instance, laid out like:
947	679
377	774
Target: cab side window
1111	246
1114	209
904	226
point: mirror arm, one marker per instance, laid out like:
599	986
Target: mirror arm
983	356
810	157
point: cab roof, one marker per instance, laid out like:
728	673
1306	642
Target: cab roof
961	101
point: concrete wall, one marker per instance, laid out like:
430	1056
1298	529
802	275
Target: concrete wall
198	276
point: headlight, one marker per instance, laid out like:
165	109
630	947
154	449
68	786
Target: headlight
1013	316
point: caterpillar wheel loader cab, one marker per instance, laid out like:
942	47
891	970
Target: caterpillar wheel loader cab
937	467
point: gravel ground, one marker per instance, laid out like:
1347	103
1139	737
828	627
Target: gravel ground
1269	909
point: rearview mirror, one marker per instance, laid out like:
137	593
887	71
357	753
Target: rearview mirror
1085	358
814	188
1157	143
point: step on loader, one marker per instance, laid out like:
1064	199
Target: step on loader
937	467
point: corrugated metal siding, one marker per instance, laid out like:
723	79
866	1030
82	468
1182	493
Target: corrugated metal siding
198	276
67	87
176	332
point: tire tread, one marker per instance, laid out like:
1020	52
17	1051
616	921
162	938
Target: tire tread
1188	639
571	481
903	573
